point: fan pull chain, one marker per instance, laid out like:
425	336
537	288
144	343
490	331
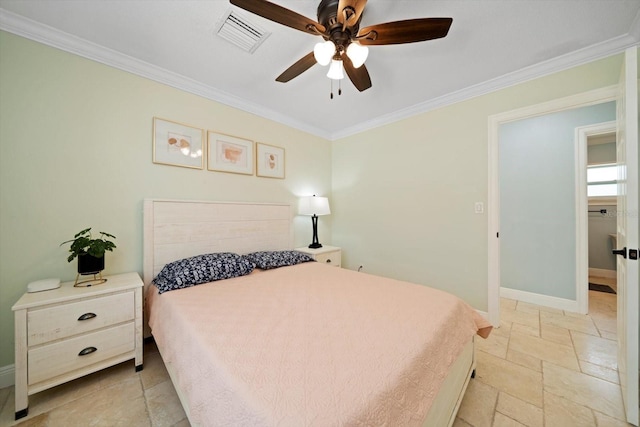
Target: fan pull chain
339	88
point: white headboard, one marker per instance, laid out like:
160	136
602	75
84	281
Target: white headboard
176	229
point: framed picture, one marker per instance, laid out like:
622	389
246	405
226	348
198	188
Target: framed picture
177	144
229	154
269	161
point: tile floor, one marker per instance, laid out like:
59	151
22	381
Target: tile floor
546	367
542	367
117	396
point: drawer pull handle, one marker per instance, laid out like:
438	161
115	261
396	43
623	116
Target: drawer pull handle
328	261
87	316
87	350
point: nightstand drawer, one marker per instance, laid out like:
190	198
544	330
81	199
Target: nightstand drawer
329	258
52	323
51	360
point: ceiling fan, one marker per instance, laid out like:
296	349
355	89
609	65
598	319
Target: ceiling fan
345	45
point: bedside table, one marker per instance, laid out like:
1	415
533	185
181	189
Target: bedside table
66	333
329	255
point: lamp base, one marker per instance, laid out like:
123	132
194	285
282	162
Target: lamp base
315	246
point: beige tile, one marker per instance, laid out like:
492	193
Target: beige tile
504	330
164	405
494	344
539	348
502	420
602	304
583	389
596	350
4	395
606	325
41	420
121	404
46	400
507	304
518	381
521	318
525	360
555	334
7	412
560	412
478	404
523	412
154	371
606	421
601	372
185	423
519	328
533	308
458	422
609	335
579	322
118	373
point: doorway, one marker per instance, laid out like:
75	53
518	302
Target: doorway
569	302
597	214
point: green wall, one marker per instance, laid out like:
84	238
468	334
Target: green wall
75	152
404	193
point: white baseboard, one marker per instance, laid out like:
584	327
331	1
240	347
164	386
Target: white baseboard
483	314
539	299
7	375
601	272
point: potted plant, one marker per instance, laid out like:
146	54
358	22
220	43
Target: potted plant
90	251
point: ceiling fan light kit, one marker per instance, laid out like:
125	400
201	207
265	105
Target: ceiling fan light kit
335	70
345	45
358	54
323	52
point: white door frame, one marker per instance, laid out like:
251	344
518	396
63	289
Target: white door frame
582	133
593	97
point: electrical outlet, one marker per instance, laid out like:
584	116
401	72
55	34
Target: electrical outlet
479	207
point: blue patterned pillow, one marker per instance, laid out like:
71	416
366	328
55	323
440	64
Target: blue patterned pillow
201	269
266	260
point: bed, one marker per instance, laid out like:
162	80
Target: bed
300	345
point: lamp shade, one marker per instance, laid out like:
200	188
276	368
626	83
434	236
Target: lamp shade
314	206
357	54
324	51
335	70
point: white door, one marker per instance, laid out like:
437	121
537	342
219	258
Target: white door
627	159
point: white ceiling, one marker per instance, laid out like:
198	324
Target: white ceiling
491	44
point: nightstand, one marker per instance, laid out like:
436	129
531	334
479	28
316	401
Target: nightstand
329	255
66	333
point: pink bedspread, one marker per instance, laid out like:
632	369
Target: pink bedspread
310	345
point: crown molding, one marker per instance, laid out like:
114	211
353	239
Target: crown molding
50	36
570	60
24	27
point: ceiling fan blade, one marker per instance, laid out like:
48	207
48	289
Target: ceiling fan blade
358	76
302	65
281	15
409	31
349	11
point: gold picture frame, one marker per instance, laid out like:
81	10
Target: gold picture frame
270	161
227	153
177	144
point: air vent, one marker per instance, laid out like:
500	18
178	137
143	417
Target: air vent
241	32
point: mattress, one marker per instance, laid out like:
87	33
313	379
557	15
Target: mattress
310	345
